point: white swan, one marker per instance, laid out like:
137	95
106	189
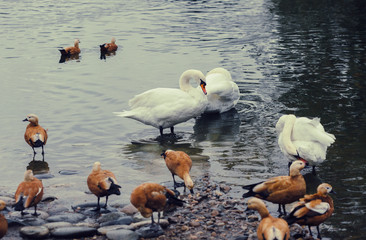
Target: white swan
166	107
222	92
303	138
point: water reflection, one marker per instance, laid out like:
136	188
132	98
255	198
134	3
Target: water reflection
322	54
104	54
38	167
217	127
65	58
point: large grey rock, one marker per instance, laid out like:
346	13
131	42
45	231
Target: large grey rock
104	230
37	232
120	221
150	231
110	217
73	232
54	225
122	234
67	217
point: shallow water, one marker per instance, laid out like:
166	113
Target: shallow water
306	58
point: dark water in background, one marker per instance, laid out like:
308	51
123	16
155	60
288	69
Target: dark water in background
301	57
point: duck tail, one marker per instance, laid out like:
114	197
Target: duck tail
174	200
114	188
19	206
250	188
291	218
63	52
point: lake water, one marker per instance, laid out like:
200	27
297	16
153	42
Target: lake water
301	57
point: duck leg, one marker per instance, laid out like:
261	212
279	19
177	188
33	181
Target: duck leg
35	211
311	234
152	220
106	200
42	153
280	210
34	154
319	236
98	206
175	184
172	130
161	131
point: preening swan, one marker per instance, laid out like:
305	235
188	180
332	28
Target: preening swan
166	107
303	138
222	92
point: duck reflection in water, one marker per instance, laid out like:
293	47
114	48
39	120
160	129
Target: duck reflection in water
38	167
65	58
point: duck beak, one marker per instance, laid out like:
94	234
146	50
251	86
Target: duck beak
203	86
191	190
25	120
163	155
333	192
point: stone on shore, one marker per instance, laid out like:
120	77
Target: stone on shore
122	234
73	232
37	232
54	225
67	217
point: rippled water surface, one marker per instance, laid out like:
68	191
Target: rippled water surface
301	57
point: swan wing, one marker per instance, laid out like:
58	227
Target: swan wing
311	151
306	129
163	107
222	93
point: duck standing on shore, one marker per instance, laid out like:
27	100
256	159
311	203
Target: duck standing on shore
102	183
282	189
35	135
153	197
29	193
3	222
179	163
312	210
269	228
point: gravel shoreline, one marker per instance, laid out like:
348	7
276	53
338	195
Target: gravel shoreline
209	213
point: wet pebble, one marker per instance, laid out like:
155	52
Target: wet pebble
67	217
129	209
104	230
150	231
122	234
110	217
37	232
54	225
126	220
73	232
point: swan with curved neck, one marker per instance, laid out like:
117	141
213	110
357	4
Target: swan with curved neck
222	91
303	138
165	107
